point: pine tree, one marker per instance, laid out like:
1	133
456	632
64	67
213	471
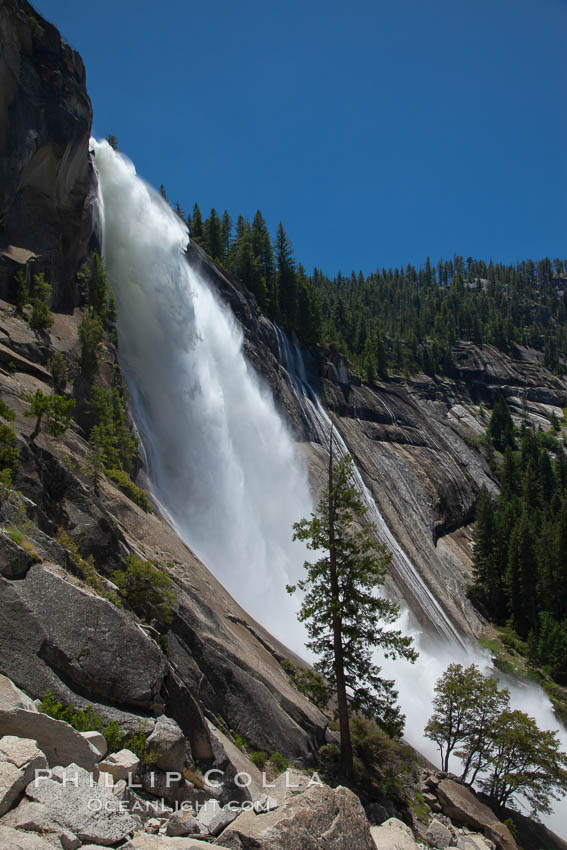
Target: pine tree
197	225
344	616
212	236
286	278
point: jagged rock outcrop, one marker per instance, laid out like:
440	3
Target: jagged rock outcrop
46	180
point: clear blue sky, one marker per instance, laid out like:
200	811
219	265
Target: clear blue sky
379	132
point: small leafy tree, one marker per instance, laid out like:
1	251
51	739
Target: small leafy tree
465	706
504	749
345	617
57	409
146	588
525	760
41	317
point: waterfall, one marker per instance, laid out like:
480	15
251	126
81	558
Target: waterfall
220	461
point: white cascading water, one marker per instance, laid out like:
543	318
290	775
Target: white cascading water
221	462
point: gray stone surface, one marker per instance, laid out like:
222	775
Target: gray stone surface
11	697
19	759
61	743
183	823
233	762
45	174
97	740
265	804
121	765
90	642
393	834
14	560
438	835
462	806
208	811
13	839
169	740
319	818
79	805
143	841
221	820
36	817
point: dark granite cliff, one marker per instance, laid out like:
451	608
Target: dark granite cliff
46	177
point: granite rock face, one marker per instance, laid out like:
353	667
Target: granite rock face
46	180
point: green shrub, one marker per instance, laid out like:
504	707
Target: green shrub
6	412
239	742
86	567
81	720
114	737
41	317
279	762
259	758
36	27
308	682
9	453
57	365
138	743
90	720
146	588
22	292
125	483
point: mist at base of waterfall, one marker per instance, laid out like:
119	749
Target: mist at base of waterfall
220	461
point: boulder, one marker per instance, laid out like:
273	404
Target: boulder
36	817
170	742
14	561
182	822
221	820
208	811
265	804
75	802
19	759
393	834
171	786
234	763
90	644
121	765
143	841
61	744
473	842
96	740
11	697
461	805
438	835
318	818
13	839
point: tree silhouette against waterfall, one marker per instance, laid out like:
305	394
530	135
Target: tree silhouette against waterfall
343	613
